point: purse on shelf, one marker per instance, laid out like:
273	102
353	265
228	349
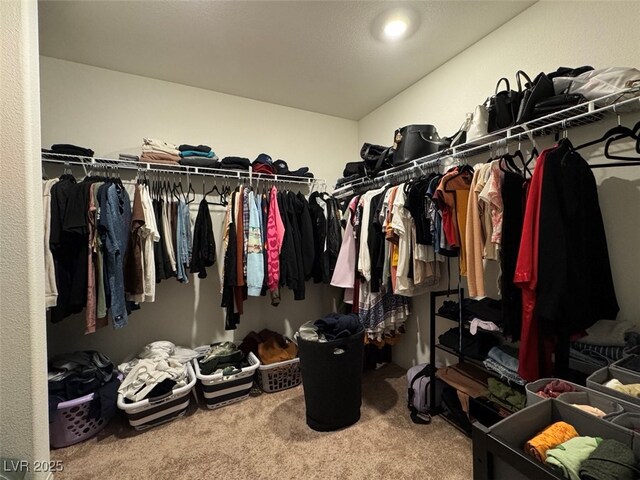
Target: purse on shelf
376	158
479	124
503	107
416	141
540	89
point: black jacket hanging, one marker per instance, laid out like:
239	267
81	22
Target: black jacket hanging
575	284
204	244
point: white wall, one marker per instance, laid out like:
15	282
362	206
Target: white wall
543	37
24	432
111	112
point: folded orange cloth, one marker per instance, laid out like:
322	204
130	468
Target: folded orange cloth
549	438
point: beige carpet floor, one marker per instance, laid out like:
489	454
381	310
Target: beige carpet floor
266	437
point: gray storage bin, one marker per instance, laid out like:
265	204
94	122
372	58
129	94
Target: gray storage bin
607	404
628	420
621	364
532	388
498	451
602	376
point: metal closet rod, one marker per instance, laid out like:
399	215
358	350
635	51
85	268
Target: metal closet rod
523	131
109	163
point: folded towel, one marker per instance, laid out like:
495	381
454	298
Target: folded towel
129	157
549	438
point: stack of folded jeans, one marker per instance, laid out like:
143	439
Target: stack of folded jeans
504	361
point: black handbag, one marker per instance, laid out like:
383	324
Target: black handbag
416	141
376	158
541	88
502	107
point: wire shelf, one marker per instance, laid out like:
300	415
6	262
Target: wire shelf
97	163
583	114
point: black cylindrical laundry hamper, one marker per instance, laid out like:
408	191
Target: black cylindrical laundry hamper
332	381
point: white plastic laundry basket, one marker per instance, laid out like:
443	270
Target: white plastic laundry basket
219	390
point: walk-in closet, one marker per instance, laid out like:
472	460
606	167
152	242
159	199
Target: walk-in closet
320	239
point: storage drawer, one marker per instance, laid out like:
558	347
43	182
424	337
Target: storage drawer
602	376
498	451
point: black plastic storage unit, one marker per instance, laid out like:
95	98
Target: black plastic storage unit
332	381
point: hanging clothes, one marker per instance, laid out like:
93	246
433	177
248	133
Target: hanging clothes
513	198
204	243
51	290
575	286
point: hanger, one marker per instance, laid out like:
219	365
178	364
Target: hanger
619	131
633	134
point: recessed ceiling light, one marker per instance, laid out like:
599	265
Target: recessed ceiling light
395	29
396	24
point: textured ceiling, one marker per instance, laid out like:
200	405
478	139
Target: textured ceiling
314	55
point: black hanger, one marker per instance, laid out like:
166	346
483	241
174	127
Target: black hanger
619	131
611	140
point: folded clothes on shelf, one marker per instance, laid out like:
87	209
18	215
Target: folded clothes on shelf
159	157
198	148
57	150
157	145
506	396
473	346
201	162
503	360
196	153
128	157
235	163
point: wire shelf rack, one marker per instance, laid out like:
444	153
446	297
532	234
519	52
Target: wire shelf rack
583	114
93	164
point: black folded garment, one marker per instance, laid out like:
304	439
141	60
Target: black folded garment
235	163
195	148
474	346
68	149
487	309
200	162
557	103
